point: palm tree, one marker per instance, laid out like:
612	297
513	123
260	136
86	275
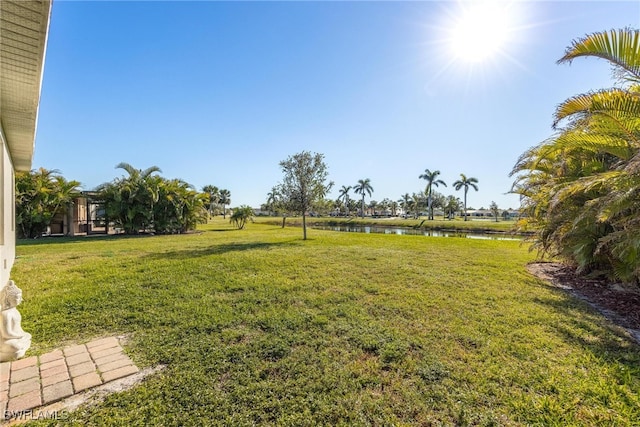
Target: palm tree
225	199
466	183
130	200
179	208
384	205
363	186
241	215
272	198
579	188
137	174
39	196
394	207
431	178
214	196
344	194
373	204
452	205
415	203
405	201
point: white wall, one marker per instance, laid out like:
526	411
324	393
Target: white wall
7	213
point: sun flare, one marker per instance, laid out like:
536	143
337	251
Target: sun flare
474	43
480	32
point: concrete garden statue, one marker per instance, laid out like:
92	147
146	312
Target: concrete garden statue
14	341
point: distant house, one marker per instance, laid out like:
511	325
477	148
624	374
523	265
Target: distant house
486	213
85	216
480	213
24	26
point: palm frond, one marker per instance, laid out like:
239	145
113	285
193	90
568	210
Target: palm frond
620	47
618	106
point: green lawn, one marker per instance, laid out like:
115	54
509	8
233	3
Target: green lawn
257	326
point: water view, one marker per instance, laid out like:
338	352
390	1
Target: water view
417	232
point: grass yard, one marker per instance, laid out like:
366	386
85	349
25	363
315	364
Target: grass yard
257	326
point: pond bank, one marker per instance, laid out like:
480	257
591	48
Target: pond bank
413	226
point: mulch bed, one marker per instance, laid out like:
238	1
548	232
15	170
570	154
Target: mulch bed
619	303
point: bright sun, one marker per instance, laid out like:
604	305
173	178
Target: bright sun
480	32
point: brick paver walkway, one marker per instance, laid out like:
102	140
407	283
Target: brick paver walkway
28	383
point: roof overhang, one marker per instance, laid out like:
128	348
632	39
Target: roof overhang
24	26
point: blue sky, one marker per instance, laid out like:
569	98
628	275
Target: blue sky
220	92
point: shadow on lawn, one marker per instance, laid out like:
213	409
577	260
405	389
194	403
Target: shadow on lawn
52	240
220	249
597	336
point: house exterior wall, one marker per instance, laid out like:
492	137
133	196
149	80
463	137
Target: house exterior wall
79	216
7	213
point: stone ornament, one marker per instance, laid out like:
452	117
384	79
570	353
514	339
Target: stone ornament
14	341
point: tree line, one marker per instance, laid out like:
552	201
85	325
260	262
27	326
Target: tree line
304	188
279	199
139	202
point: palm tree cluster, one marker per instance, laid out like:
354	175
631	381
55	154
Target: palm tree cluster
215	198
144	201
432	199
40	195
580	188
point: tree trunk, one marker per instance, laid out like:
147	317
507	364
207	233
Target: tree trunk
465	204
304	226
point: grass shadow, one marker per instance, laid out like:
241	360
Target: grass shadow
56	240
592	330
220	249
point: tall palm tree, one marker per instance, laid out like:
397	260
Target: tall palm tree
272	198
344	194
225	199
431	178
363	187
466	183
214	196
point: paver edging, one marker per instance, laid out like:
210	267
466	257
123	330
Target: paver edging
70	375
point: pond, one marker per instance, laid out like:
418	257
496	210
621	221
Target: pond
417	232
